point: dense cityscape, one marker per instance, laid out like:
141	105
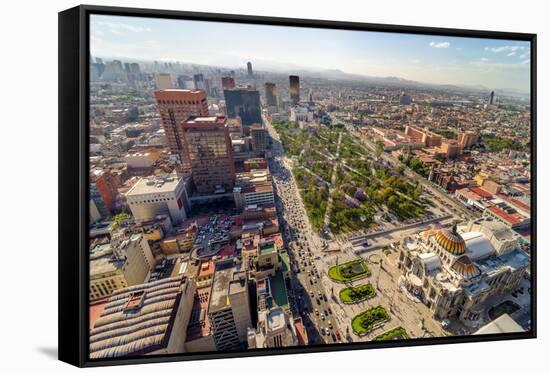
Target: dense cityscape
235	209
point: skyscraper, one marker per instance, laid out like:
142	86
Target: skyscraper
270	94
175	107
491	100
185	82
199	81
294	89
258	136
228	82
249	68
209	153
243	103
164	81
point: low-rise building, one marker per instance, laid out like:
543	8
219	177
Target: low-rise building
119	264
454	271
146	319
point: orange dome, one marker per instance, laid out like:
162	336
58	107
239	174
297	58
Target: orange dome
450	241
464	266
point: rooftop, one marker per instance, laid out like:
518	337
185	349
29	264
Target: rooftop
142	328
222	286
267	247
502	324
199	324
198	122
154	184
278	290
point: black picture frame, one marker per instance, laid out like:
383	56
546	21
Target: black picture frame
73	180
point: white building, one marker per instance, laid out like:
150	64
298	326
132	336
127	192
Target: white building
454	271
301	114
144	159
158	195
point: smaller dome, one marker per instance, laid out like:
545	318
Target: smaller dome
451	241
465	267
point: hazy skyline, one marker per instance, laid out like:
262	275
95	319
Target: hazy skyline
495	64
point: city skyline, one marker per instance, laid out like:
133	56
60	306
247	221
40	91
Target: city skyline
495	64
236	209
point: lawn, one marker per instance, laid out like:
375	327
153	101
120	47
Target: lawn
357	294
368	320
349	271
394	334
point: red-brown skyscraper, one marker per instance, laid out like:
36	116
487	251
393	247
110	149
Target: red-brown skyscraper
175	107
209	153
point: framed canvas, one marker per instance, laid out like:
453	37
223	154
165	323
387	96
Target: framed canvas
236	186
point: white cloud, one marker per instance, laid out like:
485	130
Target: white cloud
484	59
524	56
505	48
117	27
511	54
524	62
443	44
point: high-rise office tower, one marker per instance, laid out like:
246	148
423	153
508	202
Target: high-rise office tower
228	82
491	100
270	94
229	309
164	81
243	103
249	68
198	79
185	82
209	153
294	89
259	138
175	107
208	86
132	71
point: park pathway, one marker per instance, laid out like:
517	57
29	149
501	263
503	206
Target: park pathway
332	181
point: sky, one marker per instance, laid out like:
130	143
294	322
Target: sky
495	64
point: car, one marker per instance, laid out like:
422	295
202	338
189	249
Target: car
333	337
322	317
326	313
338	335
329	310
318	302
316	312
327	332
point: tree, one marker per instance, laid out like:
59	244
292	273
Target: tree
379	149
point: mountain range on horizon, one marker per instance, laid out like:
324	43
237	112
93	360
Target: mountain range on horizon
337	74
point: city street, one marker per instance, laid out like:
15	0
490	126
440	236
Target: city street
315	295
